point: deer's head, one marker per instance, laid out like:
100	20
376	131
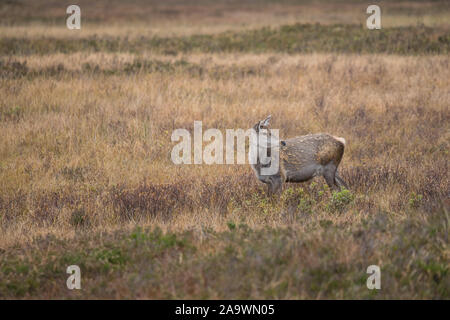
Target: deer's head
263	124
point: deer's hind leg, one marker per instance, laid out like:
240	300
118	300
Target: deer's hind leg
329	173
338	181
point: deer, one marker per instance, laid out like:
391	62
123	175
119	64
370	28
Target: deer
301	158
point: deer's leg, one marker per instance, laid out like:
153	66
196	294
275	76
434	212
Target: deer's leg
338	180
274	184
269	189
329	174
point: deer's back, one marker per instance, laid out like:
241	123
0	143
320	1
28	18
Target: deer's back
320	148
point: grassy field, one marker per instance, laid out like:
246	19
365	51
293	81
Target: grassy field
86	177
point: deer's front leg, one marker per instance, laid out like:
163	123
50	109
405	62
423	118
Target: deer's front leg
274	185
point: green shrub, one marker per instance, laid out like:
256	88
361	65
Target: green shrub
231	225
79	218
340	200
297	199
414	200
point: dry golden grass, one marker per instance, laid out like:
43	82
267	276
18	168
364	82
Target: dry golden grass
88	133
86	174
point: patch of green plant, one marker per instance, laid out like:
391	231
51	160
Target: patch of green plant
297	199
325	223
111	258
296	38
340	200
231	225
438	271
259	202
157	239
79	218
415	200
13	113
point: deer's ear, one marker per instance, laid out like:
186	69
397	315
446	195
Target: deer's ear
266	121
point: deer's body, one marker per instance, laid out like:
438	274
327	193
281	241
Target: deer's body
304	157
